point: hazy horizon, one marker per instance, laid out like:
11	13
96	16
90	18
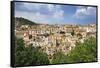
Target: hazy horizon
57	23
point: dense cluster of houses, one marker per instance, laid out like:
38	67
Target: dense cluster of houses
53	38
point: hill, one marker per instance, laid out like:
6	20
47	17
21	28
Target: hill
22	21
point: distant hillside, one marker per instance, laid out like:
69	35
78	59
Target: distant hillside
22	21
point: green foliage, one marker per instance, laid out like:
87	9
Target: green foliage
79	36
23	21
19	45
83	52
29	55
59	57
73	33
62	32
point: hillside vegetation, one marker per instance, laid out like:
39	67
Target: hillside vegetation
83	52
22	21
29	56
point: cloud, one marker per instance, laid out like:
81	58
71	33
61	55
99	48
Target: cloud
50	7
27	7
40	18
42	13
84	12
58	14
36	17
30	6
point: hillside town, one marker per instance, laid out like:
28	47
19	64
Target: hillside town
53	38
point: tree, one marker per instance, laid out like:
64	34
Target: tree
62	32
79	35
29	55
83	52
73	33
58	58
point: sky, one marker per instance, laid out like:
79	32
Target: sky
55	14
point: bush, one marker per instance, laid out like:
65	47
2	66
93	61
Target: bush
73	33
83	52
29	55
